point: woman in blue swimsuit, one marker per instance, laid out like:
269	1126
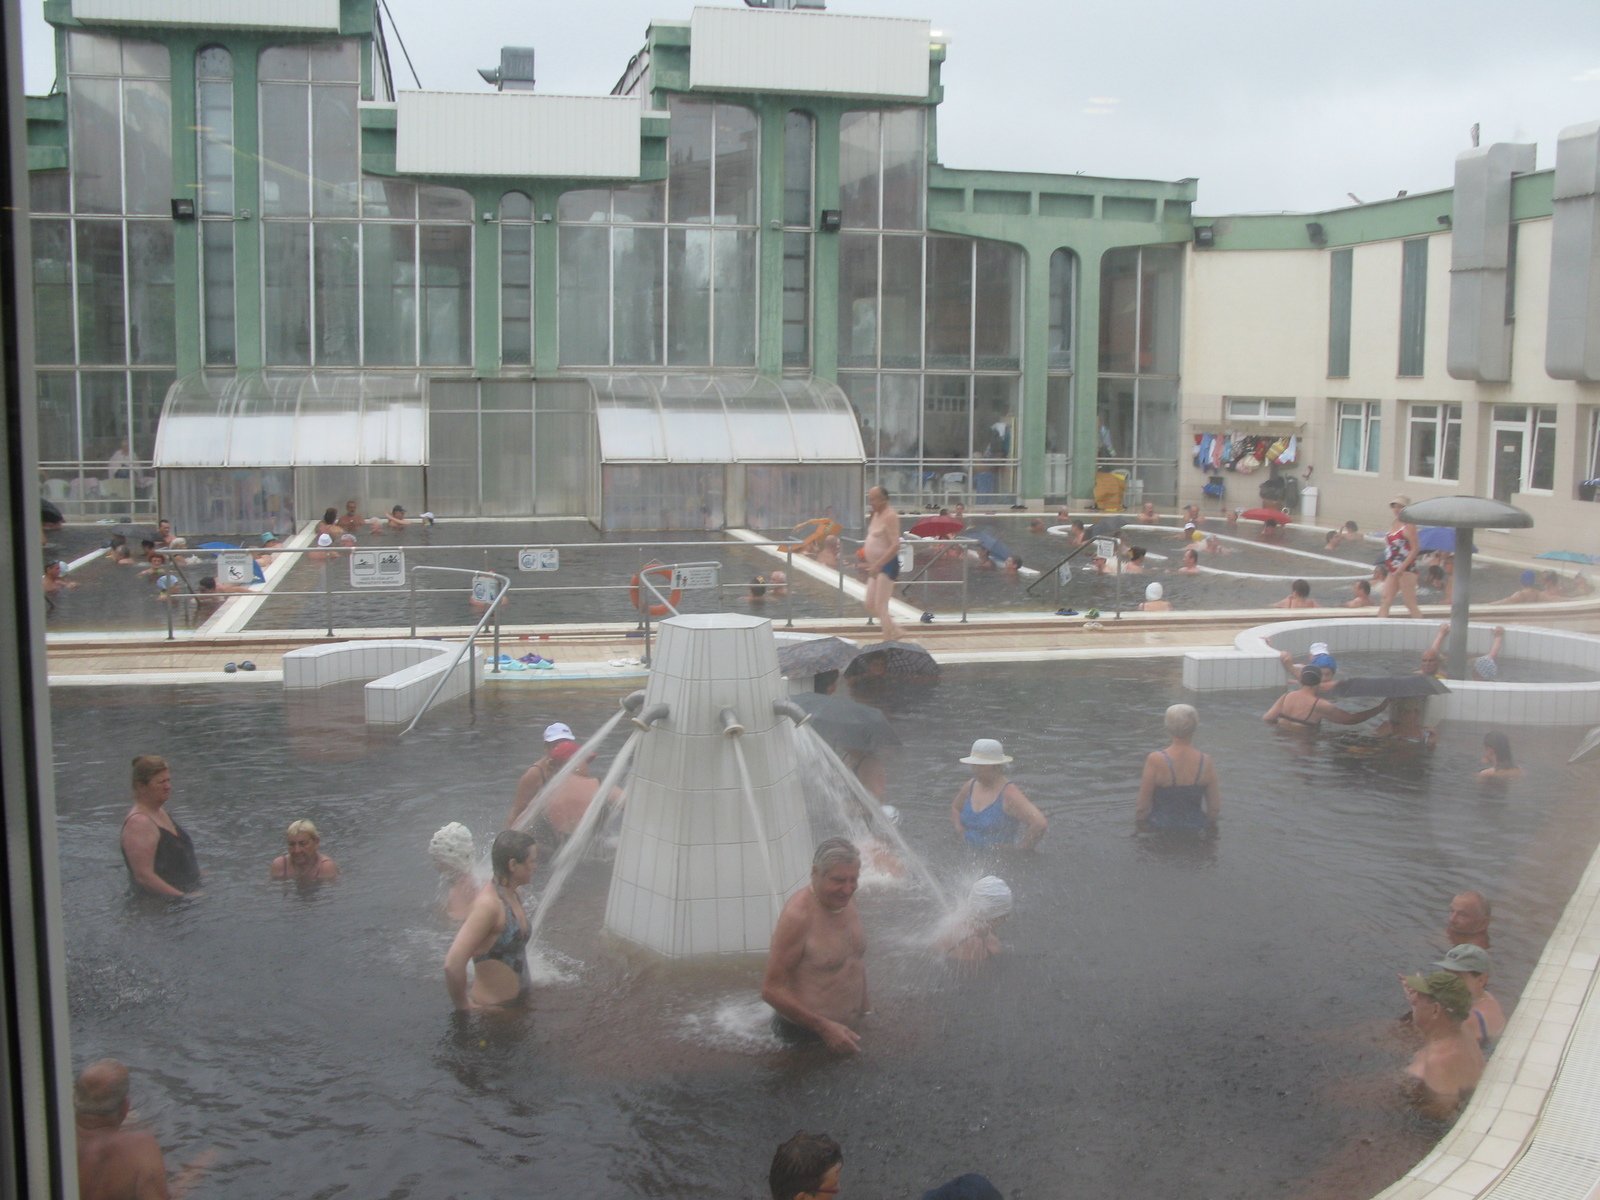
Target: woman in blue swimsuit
991	810
495	934
1179	788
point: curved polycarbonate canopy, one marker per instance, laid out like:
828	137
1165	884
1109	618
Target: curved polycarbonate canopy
294	419
1467	512
724	419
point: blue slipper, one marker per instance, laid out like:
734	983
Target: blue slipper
247	665
230	668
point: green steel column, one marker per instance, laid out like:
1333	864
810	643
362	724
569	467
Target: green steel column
769	329
246	199
1029	436
546	252
185	184
486	279
1086	372
825	248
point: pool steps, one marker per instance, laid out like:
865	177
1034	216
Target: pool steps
402	673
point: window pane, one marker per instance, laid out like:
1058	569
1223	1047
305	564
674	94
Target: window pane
149	59
997	312
736	299
1543	475
585	297
641	202
52	291
516	290
947	421
899	410
1349	444
336	151
796	299
904	152
445	271
49	191
214	62
216	266
858	300
994	416
737	139
1116	416
1413	304
797	153
515	206
636	296
949	302
1283	409
338	308
443	204
862	389
96	114
689	297
858	169
562	454
100	303
286	280
1058	415
1516	413
1424	446
1158	419
507	472
1119	292
284	62
453	462
93	53
58	416
1374	428
689	160
389	294
1063	289
285	150
151	336
105	413
215	99
393	198
1159	306
335	62
902	302
147	145
1339	293
1450	467
149	393
587	204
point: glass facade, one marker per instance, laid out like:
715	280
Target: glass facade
510	447
1137	406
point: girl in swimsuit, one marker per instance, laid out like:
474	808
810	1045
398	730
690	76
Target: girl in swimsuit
1164	801
495	934
1400	557
991	810
159	854
1304	710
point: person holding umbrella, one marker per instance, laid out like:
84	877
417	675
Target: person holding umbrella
991	811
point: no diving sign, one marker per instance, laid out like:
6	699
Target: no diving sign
377	568
236	569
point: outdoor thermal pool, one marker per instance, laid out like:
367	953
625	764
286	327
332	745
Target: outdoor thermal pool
1180	1020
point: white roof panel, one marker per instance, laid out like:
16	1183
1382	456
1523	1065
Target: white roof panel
757	50
517	133
247	14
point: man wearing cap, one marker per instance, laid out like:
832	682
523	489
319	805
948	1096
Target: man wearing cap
1471	963
536	776
1468	922
1450	1063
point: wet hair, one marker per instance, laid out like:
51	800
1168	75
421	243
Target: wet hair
1300	587
1015	558
1182	720
758	586
208	583
1192	555
296	828
1364	586
1482	902
1501	745
146	767
117	542
330	517
163	521
511	845
1332	533
1136	553
833	852
1351	527
54	562
146	544
1311	677
801	1164
1075	525
100	1089
823	680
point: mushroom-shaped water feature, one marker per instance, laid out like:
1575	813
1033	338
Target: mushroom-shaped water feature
1464	514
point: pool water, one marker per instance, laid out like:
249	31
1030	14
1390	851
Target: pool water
1207	1020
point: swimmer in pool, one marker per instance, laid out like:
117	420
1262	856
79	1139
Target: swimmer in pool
881	553
1471	964
1404	723
304	862
816	976
1468	922
1528	593
572	799
1036	525
453	856
1304	710
1191	562
990	812
1153	601
495	934
1318	657
779	583
1450	1063
350	520
758	590
543	771
1135	563
117	1162
1349	532
1497	760
828	553
1166	801
1360	595
970	936
159	853
1299	596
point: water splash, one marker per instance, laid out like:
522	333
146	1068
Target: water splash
735	1023
760	828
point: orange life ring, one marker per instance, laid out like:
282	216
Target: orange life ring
656	571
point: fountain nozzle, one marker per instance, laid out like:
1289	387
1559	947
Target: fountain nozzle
730	723
650	716
633	701
788	708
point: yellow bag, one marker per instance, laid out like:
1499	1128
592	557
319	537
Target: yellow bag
1109	488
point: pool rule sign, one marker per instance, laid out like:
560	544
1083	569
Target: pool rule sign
539	558
377	568
236	569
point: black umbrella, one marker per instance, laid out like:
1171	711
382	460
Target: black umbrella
901	660
1389	685
1112	526
845	724
815	655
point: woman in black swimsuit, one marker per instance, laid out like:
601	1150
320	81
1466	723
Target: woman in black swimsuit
1179	789
495	934
158	852
1305	709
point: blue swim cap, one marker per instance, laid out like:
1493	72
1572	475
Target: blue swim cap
1527	578
1325	661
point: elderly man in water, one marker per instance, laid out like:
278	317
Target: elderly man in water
304	862
116	1163
1468	922
816	978
1450	1063
1471	963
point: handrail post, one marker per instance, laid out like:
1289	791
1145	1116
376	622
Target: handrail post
966	573
472	670
169	600
788	591
497	600
840	558
327	586
413	602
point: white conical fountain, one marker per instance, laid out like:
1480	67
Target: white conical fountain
715	835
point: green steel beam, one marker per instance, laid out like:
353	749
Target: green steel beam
186	290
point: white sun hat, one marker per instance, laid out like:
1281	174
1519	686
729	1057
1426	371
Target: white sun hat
987	752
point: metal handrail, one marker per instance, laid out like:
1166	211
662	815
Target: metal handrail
964	581
469	644
643	576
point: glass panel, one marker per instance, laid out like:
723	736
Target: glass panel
286	281
105	413
93	54
453	395
798	132
858	300
1340	264
101	338
588	204
49	191
215	99
1116	416
392	198
737	300
389	294
507	472
862	389
1374	428
902	302
335	62
689	297
58	416
445	272
689	160
1423	460
285	150
148	59
636	296
1542	475
1413	304
216	268
796	299
96	117
506	395
52	291
453	463
949	302
1507	464
651	497
1282	409
629	419
1349	441
149	393
994	428
997	311
337	265
899	412
694	419
1450	468
1517	413
1063	308
858	169
443	204
151	335
1158	419
214	62
564	454
1058	415
641	202
147	145
904	152
336	151
584	295
947	426
515	206
1159	301
284	62
738	135
1119	316
516	289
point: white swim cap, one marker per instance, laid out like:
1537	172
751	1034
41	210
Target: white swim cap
890	813
990	898
324	539
1153	591
452	846
1319	648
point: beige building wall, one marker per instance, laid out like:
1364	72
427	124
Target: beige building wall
1256	325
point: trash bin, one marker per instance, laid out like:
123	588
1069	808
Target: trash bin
1308	502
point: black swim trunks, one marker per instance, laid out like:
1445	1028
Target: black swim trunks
892	567
795	1037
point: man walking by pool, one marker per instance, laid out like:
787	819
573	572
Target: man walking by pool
882	554
816	978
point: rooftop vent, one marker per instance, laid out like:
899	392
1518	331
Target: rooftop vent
515	72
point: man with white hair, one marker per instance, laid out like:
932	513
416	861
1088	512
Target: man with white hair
816	978
970	937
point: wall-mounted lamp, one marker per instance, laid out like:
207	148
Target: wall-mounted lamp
1205	237
546	218
183	210
1445	220
1317	234
829	221
487	217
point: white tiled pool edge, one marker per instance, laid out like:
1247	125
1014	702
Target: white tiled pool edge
406	672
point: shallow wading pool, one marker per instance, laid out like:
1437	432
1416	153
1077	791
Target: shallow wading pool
1210	1021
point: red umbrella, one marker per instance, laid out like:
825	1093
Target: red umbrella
1273	516
938	527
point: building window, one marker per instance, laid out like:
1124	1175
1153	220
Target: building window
1137	403
310	137
120	101
1413	305
516	279
1523	441
1360	431
1340	274
1063	308
1433	442
1252	408
799	136
882	155
799	139
1589	477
